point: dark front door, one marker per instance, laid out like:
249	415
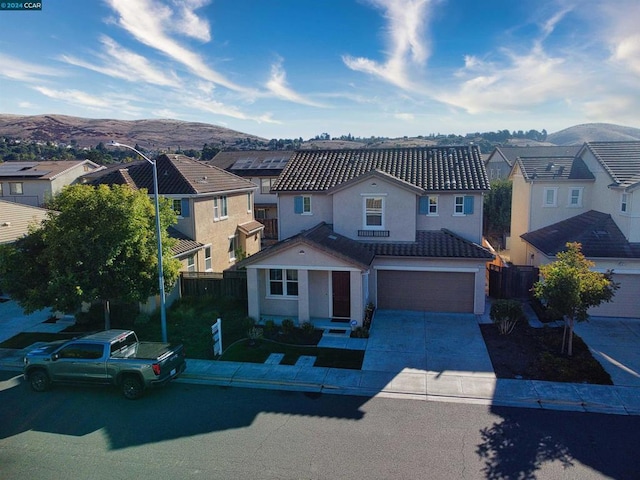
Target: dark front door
341	287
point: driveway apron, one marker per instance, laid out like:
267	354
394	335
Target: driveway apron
426	342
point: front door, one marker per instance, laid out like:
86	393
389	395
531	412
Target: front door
341	289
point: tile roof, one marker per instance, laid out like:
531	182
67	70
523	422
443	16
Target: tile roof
457	168
553	168
596	231
433	244
620	159
185	244
15	219
177	175
252	163
511	153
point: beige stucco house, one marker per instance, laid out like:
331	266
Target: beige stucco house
33	183
400	228
16	219
215	208
591	198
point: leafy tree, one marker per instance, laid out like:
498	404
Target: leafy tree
569	287
100	246
497	208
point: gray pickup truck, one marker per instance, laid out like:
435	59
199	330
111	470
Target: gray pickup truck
112	357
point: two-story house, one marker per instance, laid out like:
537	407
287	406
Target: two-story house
16	219
400	228
501	160
33	183
590	198
263	168
215	209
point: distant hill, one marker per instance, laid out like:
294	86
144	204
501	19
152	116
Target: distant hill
594	132
150	134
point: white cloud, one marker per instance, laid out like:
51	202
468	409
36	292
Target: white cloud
407	47
121	63
16	69
75	97
211	106
149	22
405	116
277	85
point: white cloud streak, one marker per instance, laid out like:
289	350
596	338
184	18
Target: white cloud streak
76	97
277	85
17	69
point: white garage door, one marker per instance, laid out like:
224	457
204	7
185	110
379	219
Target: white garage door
626	302
427	291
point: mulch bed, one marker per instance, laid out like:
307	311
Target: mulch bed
534	354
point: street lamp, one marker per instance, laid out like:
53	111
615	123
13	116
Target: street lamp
163	310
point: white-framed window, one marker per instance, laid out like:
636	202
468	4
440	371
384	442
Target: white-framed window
283	282
191	263
1	189
266	184
207	259
220	207
550	197
261	213
233	247
624	202
575	197
302	205
428	205
249	202
177	206
463	205
373	213
15	188
458	206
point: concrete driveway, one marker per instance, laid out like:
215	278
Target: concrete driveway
615	343
14	321
426	342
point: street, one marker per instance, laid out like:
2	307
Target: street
198	431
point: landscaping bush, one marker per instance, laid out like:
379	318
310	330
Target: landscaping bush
360	332
270	327
505	314
287	326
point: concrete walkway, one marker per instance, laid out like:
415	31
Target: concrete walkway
439	357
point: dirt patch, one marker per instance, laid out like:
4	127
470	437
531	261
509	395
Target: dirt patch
534	354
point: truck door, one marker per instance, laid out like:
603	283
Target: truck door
80	362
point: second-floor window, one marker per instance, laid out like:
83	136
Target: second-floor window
265	185
15	188
249	202
233	247
191	263
624	203
302	204
550	197
220	208
373	213
207	259
428	205
575	197
463	205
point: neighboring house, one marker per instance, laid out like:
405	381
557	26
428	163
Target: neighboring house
500	162
34	183
16	218
591	198
215	209
262	167
400	228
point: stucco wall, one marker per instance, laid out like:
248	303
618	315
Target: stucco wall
291	223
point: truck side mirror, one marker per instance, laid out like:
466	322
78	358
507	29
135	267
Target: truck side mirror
55	356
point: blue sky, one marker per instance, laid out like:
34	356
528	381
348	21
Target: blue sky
298	68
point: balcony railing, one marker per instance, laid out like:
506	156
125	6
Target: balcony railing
373	233
270	228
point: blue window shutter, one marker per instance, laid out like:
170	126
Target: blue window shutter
297	204
423	206
468	205
185	207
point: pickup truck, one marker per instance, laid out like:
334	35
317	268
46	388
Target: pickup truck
112	357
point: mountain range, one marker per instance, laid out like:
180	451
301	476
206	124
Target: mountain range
175	134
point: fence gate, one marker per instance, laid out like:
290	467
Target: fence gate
511	281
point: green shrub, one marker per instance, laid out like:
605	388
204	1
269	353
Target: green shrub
270	326
505	314
360	332
307	328
287	326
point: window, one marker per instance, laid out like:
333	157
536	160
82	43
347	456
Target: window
220	208
373	210
191	263
207	259
85	351
233	247
0	189
15	188
249	203
463	205
302	205
624	202
177	206
283	282
550	198
428	205
575	197
265	185
261	213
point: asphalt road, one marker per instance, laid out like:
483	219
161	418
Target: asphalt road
194	431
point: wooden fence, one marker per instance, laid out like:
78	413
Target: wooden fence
230	284
511	281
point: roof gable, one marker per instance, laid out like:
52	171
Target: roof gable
511	153
620	159
428	168
553	168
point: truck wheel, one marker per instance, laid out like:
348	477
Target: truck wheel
39	380
132	387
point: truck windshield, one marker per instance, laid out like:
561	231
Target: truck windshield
123	342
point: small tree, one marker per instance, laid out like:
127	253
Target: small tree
569	288
505	314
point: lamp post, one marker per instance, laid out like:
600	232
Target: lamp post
163	310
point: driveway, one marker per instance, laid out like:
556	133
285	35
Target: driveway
615	343
14	321
426	342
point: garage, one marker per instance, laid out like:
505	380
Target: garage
626	301
427	291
